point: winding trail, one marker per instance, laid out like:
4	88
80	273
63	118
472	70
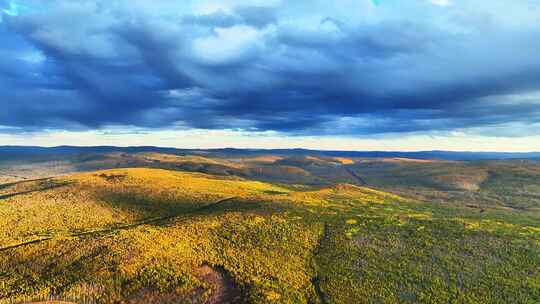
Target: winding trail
316	280
122	227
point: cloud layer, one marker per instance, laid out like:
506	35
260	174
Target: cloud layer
302	68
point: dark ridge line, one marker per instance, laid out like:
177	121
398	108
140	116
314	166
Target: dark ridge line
2	186
220	202
6	196
123	227
357	177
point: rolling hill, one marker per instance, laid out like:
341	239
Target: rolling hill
143	235
32	153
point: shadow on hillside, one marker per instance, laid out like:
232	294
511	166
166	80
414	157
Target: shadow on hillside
71	278
141	204
232	204
160	210
80	261
46	185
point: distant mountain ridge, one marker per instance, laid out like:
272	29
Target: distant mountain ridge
33	151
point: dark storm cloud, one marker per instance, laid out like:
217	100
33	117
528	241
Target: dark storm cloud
76	65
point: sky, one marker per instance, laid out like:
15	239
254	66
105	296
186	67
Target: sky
336	75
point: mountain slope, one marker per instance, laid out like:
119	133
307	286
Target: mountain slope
158	236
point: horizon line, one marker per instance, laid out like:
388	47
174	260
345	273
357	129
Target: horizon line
265	149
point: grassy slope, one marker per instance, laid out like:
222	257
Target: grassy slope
343	244
500	185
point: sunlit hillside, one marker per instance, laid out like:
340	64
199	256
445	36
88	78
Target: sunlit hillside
158	236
